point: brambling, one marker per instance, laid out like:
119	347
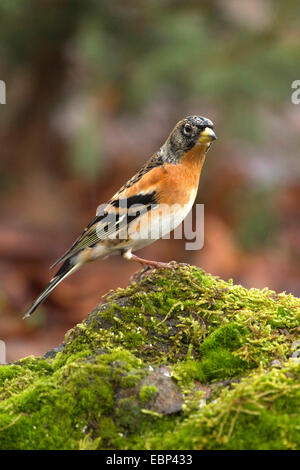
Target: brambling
151	204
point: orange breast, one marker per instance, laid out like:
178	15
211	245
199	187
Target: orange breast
180	180
173	183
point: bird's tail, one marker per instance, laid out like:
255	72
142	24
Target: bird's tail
66	269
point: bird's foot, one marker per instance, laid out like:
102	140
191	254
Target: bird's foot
148	266
153	264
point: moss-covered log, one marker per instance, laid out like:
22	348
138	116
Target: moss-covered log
177	360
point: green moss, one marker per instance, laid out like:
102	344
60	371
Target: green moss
218	341
57	411
147	393
260	412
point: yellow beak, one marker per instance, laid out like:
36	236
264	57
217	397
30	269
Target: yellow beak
207	136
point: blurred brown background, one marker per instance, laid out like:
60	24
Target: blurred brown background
93	89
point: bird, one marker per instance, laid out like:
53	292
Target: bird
150	205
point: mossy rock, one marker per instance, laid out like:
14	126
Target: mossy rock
178	360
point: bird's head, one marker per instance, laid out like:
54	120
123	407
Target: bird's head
191	132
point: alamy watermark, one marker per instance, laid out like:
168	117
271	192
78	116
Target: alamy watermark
2	352
2	92
295	97
296	349
139	223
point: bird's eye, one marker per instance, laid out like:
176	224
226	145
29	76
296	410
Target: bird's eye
187	129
